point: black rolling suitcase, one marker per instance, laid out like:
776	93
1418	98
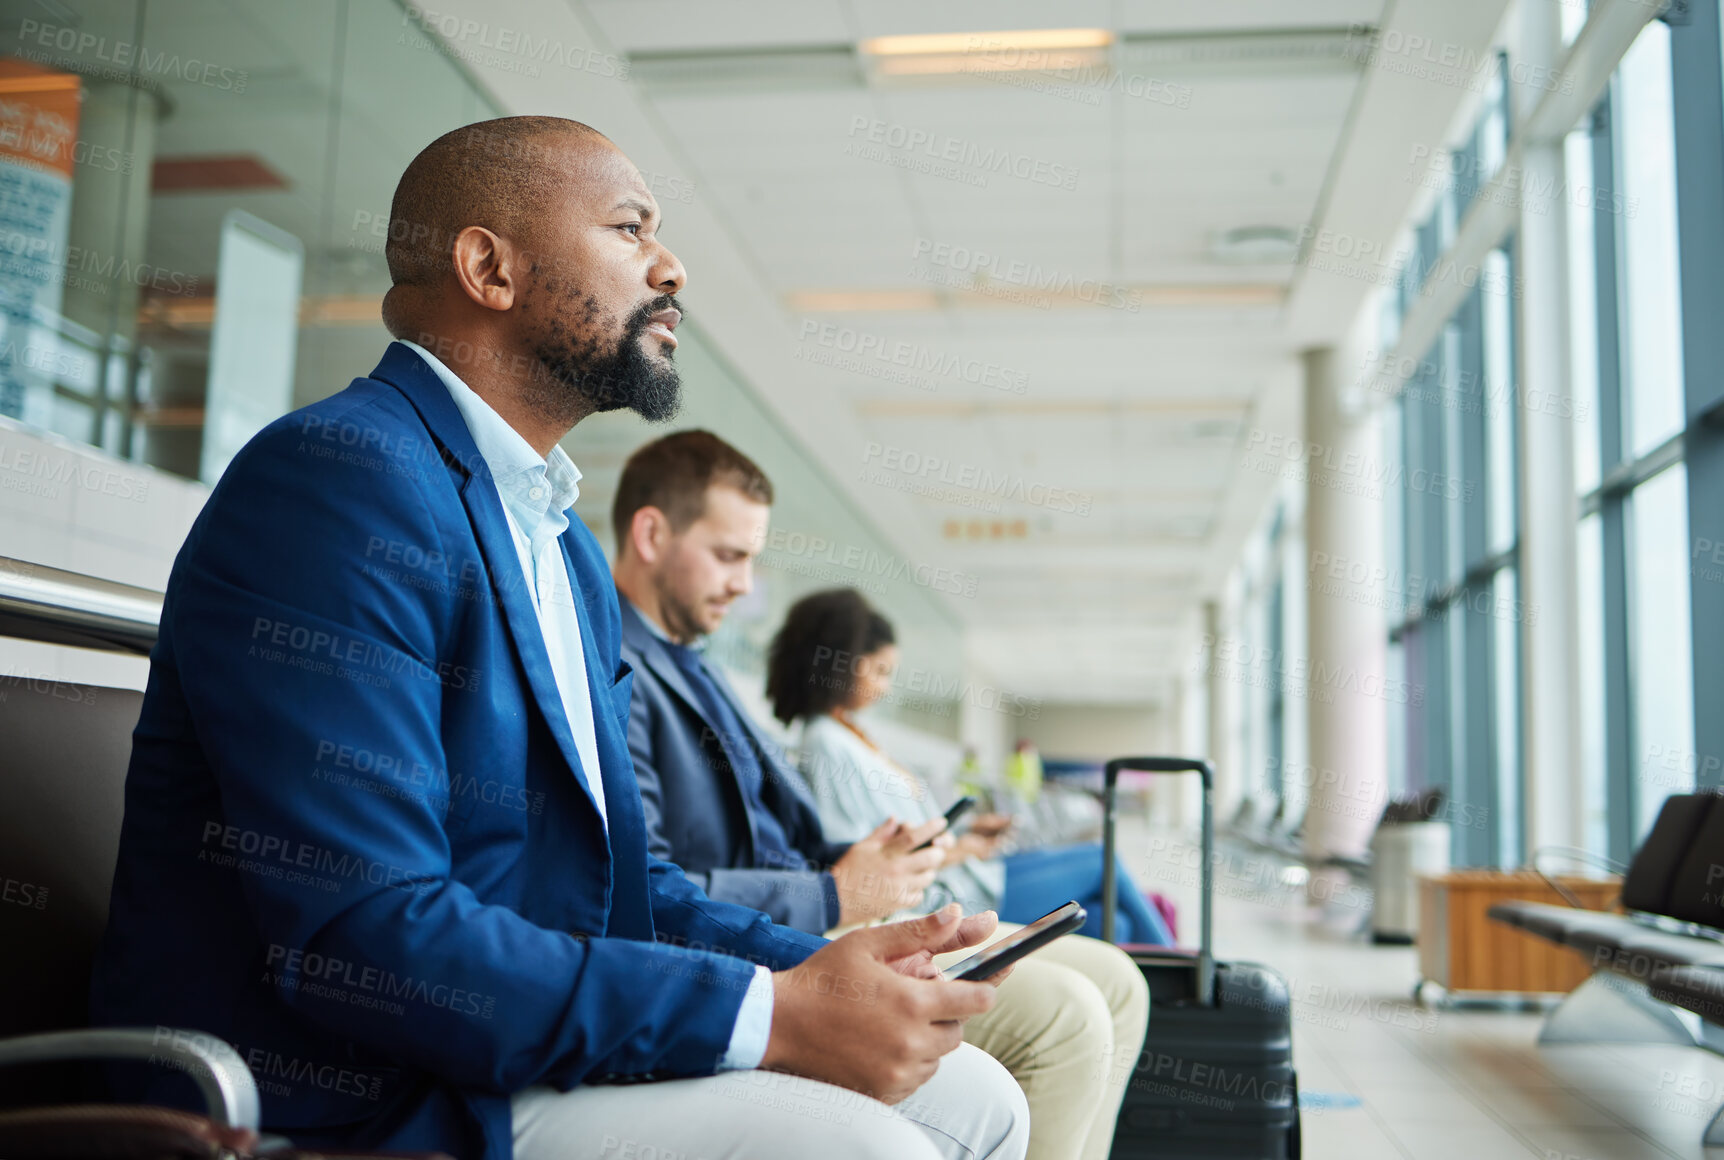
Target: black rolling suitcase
1216	1074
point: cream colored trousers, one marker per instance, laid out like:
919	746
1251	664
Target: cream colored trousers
1069	1025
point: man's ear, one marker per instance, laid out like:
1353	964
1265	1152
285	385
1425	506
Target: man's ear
487	268
650	534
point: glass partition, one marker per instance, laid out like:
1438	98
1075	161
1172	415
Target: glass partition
133	134
137	129
1650	293
1661	660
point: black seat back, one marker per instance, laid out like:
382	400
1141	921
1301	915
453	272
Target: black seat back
1660	879
1697	887
63	755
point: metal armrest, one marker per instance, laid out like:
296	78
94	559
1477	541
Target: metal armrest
229	1092
1576	854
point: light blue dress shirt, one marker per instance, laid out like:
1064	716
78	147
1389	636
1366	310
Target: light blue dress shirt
536	494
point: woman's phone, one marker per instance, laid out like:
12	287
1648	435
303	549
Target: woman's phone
959	808
991	960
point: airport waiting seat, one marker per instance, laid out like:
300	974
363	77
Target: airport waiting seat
63	761
1696	989
1700	990
1666	952
1672	892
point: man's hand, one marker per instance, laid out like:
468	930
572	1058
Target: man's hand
880	875
851	1014
972	931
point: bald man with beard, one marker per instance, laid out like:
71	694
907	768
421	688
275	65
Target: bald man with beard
382	831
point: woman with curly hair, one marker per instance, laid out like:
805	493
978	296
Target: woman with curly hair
835	656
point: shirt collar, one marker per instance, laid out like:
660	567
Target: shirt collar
534	488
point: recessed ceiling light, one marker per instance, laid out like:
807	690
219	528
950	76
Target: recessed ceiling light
1256	246
1018	40
1152	295
984	61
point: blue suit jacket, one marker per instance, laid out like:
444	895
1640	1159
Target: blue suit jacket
358	843
695	811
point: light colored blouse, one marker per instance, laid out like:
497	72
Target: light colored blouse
857	787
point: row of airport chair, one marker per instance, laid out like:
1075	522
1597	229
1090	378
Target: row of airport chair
1666	950
1275	831
1282	830
63	763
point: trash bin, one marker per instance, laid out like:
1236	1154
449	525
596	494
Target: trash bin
1399	854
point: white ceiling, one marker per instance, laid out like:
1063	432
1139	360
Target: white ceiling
1141	413
1137	416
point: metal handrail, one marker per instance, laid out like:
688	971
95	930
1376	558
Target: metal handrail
228	1087
60	607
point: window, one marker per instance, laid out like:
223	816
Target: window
1485	150
1650	294
156	123
1637	664
1275	708
1455	643
1639	191
1496	398
1265	675
1594	785
1510	802
1578	171
1659	635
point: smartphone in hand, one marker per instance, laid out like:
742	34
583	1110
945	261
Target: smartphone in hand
959	808
991	960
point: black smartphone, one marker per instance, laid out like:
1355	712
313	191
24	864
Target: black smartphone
1044	930
959	808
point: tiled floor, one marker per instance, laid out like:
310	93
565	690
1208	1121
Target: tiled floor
1435	1083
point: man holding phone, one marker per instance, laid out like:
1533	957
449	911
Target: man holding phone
720	801
1000	956
474	919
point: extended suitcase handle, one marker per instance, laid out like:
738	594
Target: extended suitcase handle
1110	878
1161	765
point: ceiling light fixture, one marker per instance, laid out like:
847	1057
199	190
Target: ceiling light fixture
1256	246
955	57
1256	53
987	61
1054	50
1153	295
1021	40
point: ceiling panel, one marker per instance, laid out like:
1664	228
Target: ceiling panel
888	17
668	25
1168	16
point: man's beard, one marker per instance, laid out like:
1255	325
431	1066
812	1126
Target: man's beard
625	378
680	623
